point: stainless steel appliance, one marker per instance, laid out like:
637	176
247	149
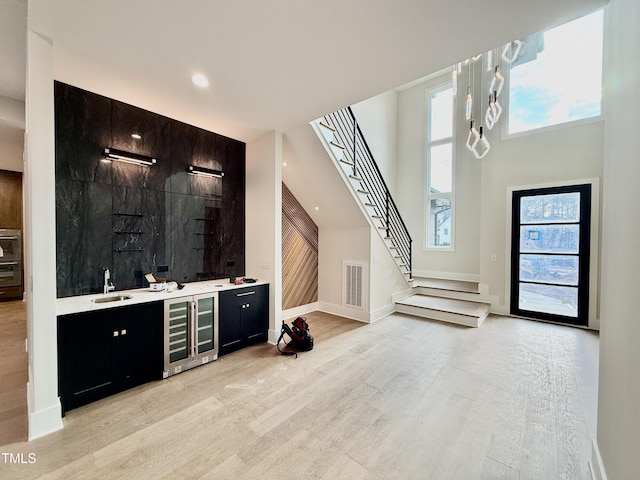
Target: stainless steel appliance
190	332
10	263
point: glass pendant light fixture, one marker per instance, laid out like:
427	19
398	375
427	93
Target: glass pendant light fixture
507	51
497	82
481	146
469	105
473	136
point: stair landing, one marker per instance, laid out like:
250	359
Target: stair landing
461	312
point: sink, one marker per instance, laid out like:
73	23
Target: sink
112	298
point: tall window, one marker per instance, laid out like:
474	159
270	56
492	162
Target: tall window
440	165
557	77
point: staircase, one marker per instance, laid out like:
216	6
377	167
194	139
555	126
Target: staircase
445	300
343	140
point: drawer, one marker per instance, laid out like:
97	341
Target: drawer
11	293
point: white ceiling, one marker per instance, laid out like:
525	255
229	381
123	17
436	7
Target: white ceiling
272	64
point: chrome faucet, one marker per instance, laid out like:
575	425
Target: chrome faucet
108	285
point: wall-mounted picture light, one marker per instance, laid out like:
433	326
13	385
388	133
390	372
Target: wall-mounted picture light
205	172
127	157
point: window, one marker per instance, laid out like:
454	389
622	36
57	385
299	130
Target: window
557	77
440	164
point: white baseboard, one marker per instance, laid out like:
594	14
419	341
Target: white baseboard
595	465
46	421
382	312
298	311
400	295
461	277
353	313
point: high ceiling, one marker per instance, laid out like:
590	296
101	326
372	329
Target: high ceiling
272	64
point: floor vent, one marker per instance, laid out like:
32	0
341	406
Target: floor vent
353	284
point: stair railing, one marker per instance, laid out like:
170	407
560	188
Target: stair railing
357	154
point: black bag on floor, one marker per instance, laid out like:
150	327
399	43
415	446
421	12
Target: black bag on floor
300	338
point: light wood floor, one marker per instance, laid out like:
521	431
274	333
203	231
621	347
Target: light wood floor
403	398
13	373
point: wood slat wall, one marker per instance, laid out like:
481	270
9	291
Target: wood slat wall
299	254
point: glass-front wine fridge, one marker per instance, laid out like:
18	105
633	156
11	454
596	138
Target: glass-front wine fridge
190	332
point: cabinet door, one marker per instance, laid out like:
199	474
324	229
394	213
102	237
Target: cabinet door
255	314
85	358
137	338
230	330
177	330
205	323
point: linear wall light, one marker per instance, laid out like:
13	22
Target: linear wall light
127	157
205	172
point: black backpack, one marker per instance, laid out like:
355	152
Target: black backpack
300	338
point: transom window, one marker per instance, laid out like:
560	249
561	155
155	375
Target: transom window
557	78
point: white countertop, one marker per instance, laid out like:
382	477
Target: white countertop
83	303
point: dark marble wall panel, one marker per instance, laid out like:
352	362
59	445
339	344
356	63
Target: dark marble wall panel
155	142
194	146
83	236
83	130
140	238
156	219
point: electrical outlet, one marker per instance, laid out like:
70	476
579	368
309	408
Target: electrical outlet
494	258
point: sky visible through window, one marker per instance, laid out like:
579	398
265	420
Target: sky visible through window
564	82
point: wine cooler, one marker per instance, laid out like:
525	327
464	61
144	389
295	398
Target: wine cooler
190	332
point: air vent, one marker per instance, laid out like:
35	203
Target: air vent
353	284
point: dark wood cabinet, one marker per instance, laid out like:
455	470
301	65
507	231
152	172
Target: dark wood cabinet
11	224
107	351
243	317
10	200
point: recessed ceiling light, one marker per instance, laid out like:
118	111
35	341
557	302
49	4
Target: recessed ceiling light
137	136
200	80
316	208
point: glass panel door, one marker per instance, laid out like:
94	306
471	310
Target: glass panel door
550	254
178	331
205	324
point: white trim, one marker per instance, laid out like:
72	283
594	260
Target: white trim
352	313
593	322
44	422
299	310
504	135
460	277
382	312
596	467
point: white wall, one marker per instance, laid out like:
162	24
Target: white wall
11	134
558	155
463	262
264	220
619	381
336	245
377	118
385	279
40	234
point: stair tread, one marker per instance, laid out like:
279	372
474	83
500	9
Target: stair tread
460	307
450	285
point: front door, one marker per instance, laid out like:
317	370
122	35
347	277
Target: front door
550	253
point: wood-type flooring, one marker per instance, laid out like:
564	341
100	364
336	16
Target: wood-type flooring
402	398
13	373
